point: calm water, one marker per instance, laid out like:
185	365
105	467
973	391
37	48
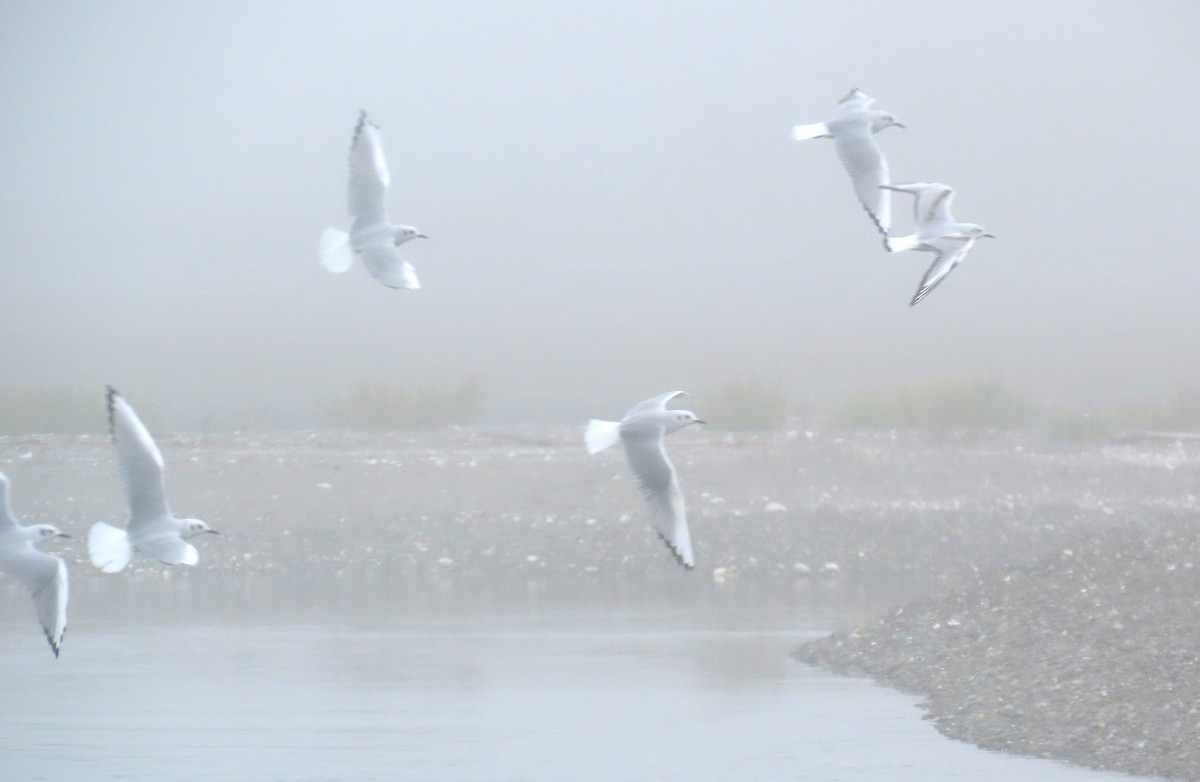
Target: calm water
693	685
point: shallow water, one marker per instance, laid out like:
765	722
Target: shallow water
687	683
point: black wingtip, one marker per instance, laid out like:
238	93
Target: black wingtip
674	552
110	398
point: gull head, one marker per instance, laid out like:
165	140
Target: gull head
681	418
405	232
41	532
194	527
976	231
884	120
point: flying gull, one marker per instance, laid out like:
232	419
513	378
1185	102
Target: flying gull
937	232
371	236
44	575
641	431
853	128
152	530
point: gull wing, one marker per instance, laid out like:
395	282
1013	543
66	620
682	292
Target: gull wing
931	205
868	171
169	548
369	176
660	486
6	515
385	264
45	576
139	461
950	252
855	99
654	403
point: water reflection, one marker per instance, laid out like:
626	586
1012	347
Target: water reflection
337	678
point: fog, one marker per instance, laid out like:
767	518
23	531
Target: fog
614	204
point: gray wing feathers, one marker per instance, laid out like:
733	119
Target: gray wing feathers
389	267
868	170
6	515
369	176
951	251
660	486
45	576
169	548
659	402
139	461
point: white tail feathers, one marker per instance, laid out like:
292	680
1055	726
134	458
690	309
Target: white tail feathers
898	244
601	435
109	547
336	255
804	132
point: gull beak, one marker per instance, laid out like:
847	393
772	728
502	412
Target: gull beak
701	422
990	236
62	535
420	236
900	125
212	532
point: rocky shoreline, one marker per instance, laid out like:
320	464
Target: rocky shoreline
1090	654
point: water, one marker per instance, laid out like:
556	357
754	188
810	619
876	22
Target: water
690	684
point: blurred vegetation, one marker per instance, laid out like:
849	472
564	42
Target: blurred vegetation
747	404
376	406
52	411
1179	412
970	404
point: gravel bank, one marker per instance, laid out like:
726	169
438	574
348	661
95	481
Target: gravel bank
1090	654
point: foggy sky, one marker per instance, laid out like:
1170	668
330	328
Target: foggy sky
614	204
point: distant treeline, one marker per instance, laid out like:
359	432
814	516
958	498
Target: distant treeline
971	404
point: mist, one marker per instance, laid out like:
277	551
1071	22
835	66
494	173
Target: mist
614	204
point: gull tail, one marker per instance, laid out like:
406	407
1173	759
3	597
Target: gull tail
804	132
336	255
601	435
108	547
898	244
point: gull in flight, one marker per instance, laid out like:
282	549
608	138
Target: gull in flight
937	232
641	431
371	236
152	529
853	128
44	575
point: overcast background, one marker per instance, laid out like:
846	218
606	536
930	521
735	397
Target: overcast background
614	204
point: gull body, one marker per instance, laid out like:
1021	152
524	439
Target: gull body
153	530
852	128
372	237
936	231
44	575
641	431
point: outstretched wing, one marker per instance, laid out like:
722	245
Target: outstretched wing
6	515
659	402
139	461
868	171
385	264
45	576
855	99
169	548
931	204
660	486
369	177
951	250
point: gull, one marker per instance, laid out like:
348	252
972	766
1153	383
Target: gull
152	529
371	235
853	128
641	431
44	575
937	232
